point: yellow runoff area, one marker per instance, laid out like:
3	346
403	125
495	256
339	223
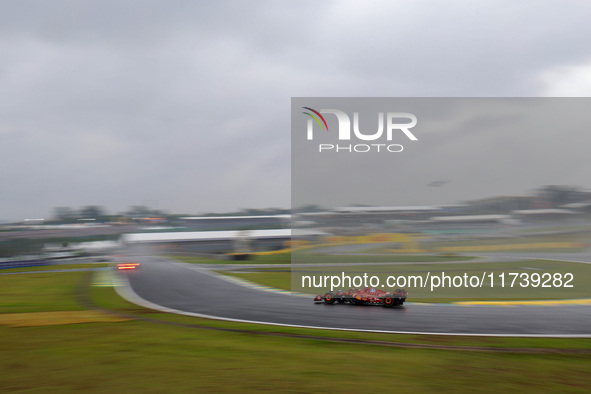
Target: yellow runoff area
407	240
375	238
57	318
294	249
409	250
410	245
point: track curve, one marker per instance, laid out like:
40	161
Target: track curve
189	289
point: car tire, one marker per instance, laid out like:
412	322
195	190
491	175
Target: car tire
388	302
329	298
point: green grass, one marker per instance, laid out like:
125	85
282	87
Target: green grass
278	280
580	228
135	357
524	250
285	279
142	357
395	258
43	292
580	237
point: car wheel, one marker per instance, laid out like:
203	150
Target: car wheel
388	302
329	298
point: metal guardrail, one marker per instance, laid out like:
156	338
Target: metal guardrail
23	263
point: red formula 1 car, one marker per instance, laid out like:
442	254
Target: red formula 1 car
366	296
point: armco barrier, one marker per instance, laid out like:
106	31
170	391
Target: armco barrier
22	263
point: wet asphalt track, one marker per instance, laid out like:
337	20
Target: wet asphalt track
187	288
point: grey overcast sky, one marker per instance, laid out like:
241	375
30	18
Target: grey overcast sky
185	105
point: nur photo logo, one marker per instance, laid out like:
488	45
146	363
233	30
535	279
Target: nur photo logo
393	125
